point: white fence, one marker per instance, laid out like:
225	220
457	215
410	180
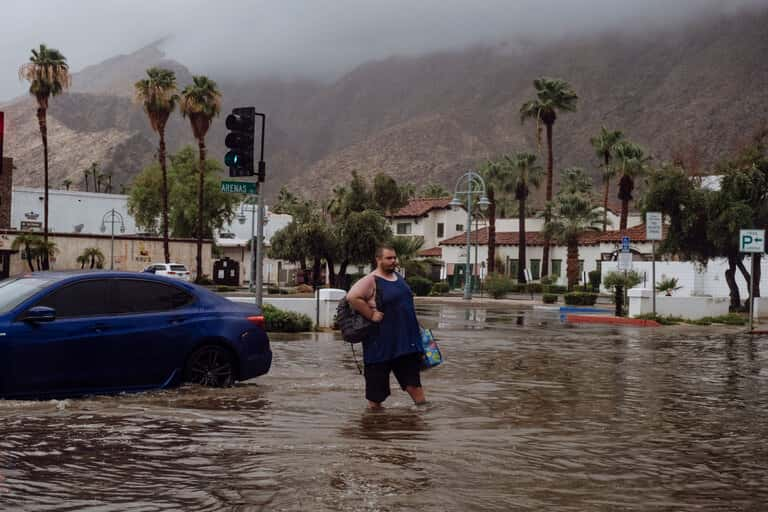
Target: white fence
329	300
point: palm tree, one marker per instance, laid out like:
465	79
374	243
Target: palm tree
433	190
29	245
407	249
158	95
572	215
499	188
201	101
629	162
92	254
48	75
552	95
604	143
66	183
44	252
526	172
86	174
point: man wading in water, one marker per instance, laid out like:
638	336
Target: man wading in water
396	344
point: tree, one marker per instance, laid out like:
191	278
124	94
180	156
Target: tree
157	93
48	75
201	102
86	175
66	183
630	162
387	195
572	215
29	245
604	144
145	201
92	255
434	190
552	95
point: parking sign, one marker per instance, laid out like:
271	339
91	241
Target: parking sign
625	244
752	240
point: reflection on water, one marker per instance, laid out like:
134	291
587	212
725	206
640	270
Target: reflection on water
525	414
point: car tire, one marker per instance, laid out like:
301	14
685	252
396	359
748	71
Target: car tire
211	366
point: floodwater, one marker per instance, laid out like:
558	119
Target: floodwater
526	414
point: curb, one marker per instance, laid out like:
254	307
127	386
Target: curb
611	320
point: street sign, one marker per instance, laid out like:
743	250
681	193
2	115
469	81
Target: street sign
625	244
625	261
752	240
653	225
239	187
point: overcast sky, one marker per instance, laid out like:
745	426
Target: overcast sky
313	38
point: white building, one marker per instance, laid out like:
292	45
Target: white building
431	219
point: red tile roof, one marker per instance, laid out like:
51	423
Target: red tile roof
635	234
420	207
434	252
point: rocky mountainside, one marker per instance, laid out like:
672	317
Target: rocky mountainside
697	91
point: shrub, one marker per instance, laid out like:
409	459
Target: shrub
668	285
278	320
729	319
498	285
204	280
534	288
223	288
421	286
580	298
556	289
595	276
547	280
549	298
518	287
440	288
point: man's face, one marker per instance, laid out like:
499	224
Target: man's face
387	261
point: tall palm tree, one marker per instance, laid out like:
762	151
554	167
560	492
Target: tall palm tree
603	144
572	215
497	176
48	75
526	172
86	175
629	162
157	93
552	95
201	102
433	190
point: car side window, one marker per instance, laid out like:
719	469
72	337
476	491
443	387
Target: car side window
83	298
139	296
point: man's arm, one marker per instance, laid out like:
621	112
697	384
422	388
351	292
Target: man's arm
358	298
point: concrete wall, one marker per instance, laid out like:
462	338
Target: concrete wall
640	302
329	301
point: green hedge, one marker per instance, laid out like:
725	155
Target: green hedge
498	285
729	319
534	288
278	320
440	288
556	289
421	286
549	298
580	299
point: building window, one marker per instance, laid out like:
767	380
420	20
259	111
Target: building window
535	269
557	268
440	230
581	268
403	228
599	265
512	268
459	227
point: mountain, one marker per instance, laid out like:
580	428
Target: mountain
694	92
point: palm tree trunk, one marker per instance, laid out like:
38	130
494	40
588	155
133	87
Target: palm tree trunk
547	213
730	278
626	185
605	195
573	263
521	245
44	135
624	214
491	232
200	186
164	193
28	255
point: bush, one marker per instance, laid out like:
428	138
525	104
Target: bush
518	287
595	276
549	298
278	320
204	280
223	288
534	288
556	289
498	285
421	286
548	280
439	288
729	319
580	298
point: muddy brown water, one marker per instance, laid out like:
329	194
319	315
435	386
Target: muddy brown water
526	414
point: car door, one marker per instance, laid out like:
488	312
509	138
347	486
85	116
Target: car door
152	329
68	354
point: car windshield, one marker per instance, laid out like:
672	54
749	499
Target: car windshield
15	291
178	268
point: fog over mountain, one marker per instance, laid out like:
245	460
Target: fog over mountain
239	39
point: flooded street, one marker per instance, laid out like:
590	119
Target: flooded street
526	414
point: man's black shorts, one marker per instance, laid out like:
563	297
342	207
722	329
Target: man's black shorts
407	371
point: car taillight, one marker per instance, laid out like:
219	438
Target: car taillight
258	320
171	273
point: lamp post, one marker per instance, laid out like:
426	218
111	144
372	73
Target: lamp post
469	184
249	206
109	217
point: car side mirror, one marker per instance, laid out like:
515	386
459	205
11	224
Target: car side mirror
39	314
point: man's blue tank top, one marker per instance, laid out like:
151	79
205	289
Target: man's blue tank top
399	333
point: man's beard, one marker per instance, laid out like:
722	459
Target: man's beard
389	270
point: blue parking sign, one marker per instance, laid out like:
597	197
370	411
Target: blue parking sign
625	244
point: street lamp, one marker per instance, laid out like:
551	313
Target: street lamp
469	184
109	217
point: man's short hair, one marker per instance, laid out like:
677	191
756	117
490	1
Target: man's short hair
382	247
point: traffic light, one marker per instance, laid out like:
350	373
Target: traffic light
239	141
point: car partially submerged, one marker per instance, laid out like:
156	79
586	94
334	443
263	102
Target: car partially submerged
69	334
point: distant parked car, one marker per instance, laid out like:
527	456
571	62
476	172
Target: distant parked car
174	270
69	334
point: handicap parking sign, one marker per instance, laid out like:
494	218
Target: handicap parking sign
625	244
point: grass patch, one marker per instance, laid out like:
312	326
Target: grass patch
729	319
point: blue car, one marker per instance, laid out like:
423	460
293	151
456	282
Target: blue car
70	334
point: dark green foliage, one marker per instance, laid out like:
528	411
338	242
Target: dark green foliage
534	288
498	285
421	286
439	288
278	320
729	319
580	298
549	298
555	288
224	288
595	276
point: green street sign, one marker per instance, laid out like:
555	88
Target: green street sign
239	187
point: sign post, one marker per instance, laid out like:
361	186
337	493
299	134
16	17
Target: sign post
752	241
653	223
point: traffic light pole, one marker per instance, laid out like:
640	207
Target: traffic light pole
260	228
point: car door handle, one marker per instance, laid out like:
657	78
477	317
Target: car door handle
101	327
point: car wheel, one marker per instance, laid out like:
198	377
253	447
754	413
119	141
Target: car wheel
210	366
